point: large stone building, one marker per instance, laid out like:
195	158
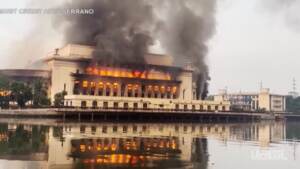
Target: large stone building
155	84
261	101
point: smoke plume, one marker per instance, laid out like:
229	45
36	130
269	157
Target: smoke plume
184	32
123	30
288	10
118	28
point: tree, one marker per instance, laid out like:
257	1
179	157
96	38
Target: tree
40	94
4	92
59	99
20	93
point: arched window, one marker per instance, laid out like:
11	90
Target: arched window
223	108
209	108
83	104
95	104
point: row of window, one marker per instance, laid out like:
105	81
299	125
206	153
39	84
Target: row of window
125	105
125	129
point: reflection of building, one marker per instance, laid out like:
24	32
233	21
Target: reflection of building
112	145
127	142
23	142
263	100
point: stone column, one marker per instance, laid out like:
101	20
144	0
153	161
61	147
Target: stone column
97	88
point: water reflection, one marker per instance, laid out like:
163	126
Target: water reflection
131	145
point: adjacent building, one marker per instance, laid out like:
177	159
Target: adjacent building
260	101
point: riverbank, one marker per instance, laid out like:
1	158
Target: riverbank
136	114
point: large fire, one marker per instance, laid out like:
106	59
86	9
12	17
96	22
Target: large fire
127	73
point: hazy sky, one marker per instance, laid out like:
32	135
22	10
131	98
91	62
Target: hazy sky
255	41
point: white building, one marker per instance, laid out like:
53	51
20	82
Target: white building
155	84
261	101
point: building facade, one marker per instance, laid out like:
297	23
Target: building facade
153	85
261	101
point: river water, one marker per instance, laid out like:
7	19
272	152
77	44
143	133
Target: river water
48	144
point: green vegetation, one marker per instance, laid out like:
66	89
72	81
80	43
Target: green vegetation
59	99
4	97
23	142
293	104
40	98
20	93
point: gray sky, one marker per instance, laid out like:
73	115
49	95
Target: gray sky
255	41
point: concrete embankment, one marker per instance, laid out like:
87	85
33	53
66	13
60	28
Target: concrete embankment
134	114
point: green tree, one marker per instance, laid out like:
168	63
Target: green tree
59	98
20	93
4	92
40	94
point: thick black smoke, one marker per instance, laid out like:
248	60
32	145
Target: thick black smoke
118	28
123	30
184	32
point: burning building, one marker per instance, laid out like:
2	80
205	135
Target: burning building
99	83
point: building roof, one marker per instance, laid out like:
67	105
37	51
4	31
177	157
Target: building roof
83	53
28	73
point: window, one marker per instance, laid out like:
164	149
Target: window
82	129
100	92
223	108
208	108
216	129
193	128
105	105
116	105
185	107
107	92
208	129
104	129
93	129
201	129
129	93
76	87
176	128
145	105
115	129
168	95
216	108
161	128
177	106
144	128
135	105
125	128
134	129
193	107
83	104
95	104
201	107
125	105
115	93
185	129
